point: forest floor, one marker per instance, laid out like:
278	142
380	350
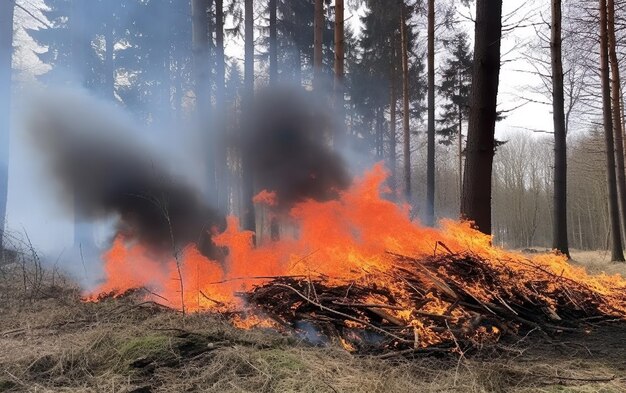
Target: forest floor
50	341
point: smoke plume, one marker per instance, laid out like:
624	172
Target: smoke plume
286	143
100	164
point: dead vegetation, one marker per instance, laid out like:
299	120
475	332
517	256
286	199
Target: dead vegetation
52	341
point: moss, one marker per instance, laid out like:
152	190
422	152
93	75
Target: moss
282	360
144	346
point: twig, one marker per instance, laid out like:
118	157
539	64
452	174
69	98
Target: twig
355	319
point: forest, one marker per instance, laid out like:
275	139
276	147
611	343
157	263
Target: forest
312	195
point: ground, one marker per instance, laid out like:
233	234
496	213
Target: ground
52	342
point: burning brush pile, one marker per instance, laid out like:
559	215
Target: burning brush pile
350	265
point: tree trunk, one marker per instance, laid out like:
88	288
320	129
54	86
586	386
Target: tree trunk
273	44
201	75
6	70
340	138
430	159
221	156
559	234
318	22
200	49
476	202
616	237
617	118
80	42
249	222
460	152
392	131
405	104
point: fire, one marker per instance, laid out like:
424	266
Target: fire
356	239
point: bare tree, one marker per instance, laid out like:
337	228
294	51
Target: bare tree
476	199
616	244
430	171
405	101
559	238
339	66
7	9
248	217
318	24
273	44
615	107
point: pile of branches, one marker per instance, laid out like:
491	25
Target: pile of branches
480	302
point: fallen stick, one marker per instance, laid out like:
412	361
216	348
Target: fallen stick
355	319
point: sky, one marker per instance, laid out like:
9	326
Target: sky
33	209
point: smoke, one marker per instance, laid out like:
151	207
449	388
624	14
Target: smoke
108	166
286	143
96	156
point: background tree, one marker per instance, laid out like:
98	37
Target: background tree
7	9
615	107
338	86
616	237
248	217
430	171
404	42
318	22
456	80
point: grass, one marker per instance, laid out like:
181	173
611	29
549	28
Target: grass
53	342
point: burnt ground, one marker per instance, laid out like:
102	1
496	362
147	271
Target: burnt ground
50	341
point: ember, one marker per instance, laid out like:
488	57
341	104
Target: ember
361	273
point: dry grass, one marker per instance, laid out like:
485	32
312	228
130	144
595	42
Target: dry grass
53	342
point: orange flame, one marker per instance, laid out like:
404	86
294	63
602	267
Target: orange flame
344	240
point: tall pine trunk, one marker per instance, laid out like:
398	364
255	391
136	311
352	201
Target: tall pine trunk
405	103
221	153
460	148
480	148
318	22
79	44
273	43
430	159
249	221
392	129
617	253
615	106
559	235
340	138
6	71
273	74
201	77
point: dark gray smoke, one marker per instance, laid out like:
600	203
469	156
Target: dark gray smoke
98	161
286	143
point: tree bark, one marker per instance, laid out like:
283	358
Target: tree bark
7	9
559	234
460	151
249	221
614	217
340	138
405	104
480	148
200	49
221	156
617	120
273	43
392	130
430	159
318	22
201	75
